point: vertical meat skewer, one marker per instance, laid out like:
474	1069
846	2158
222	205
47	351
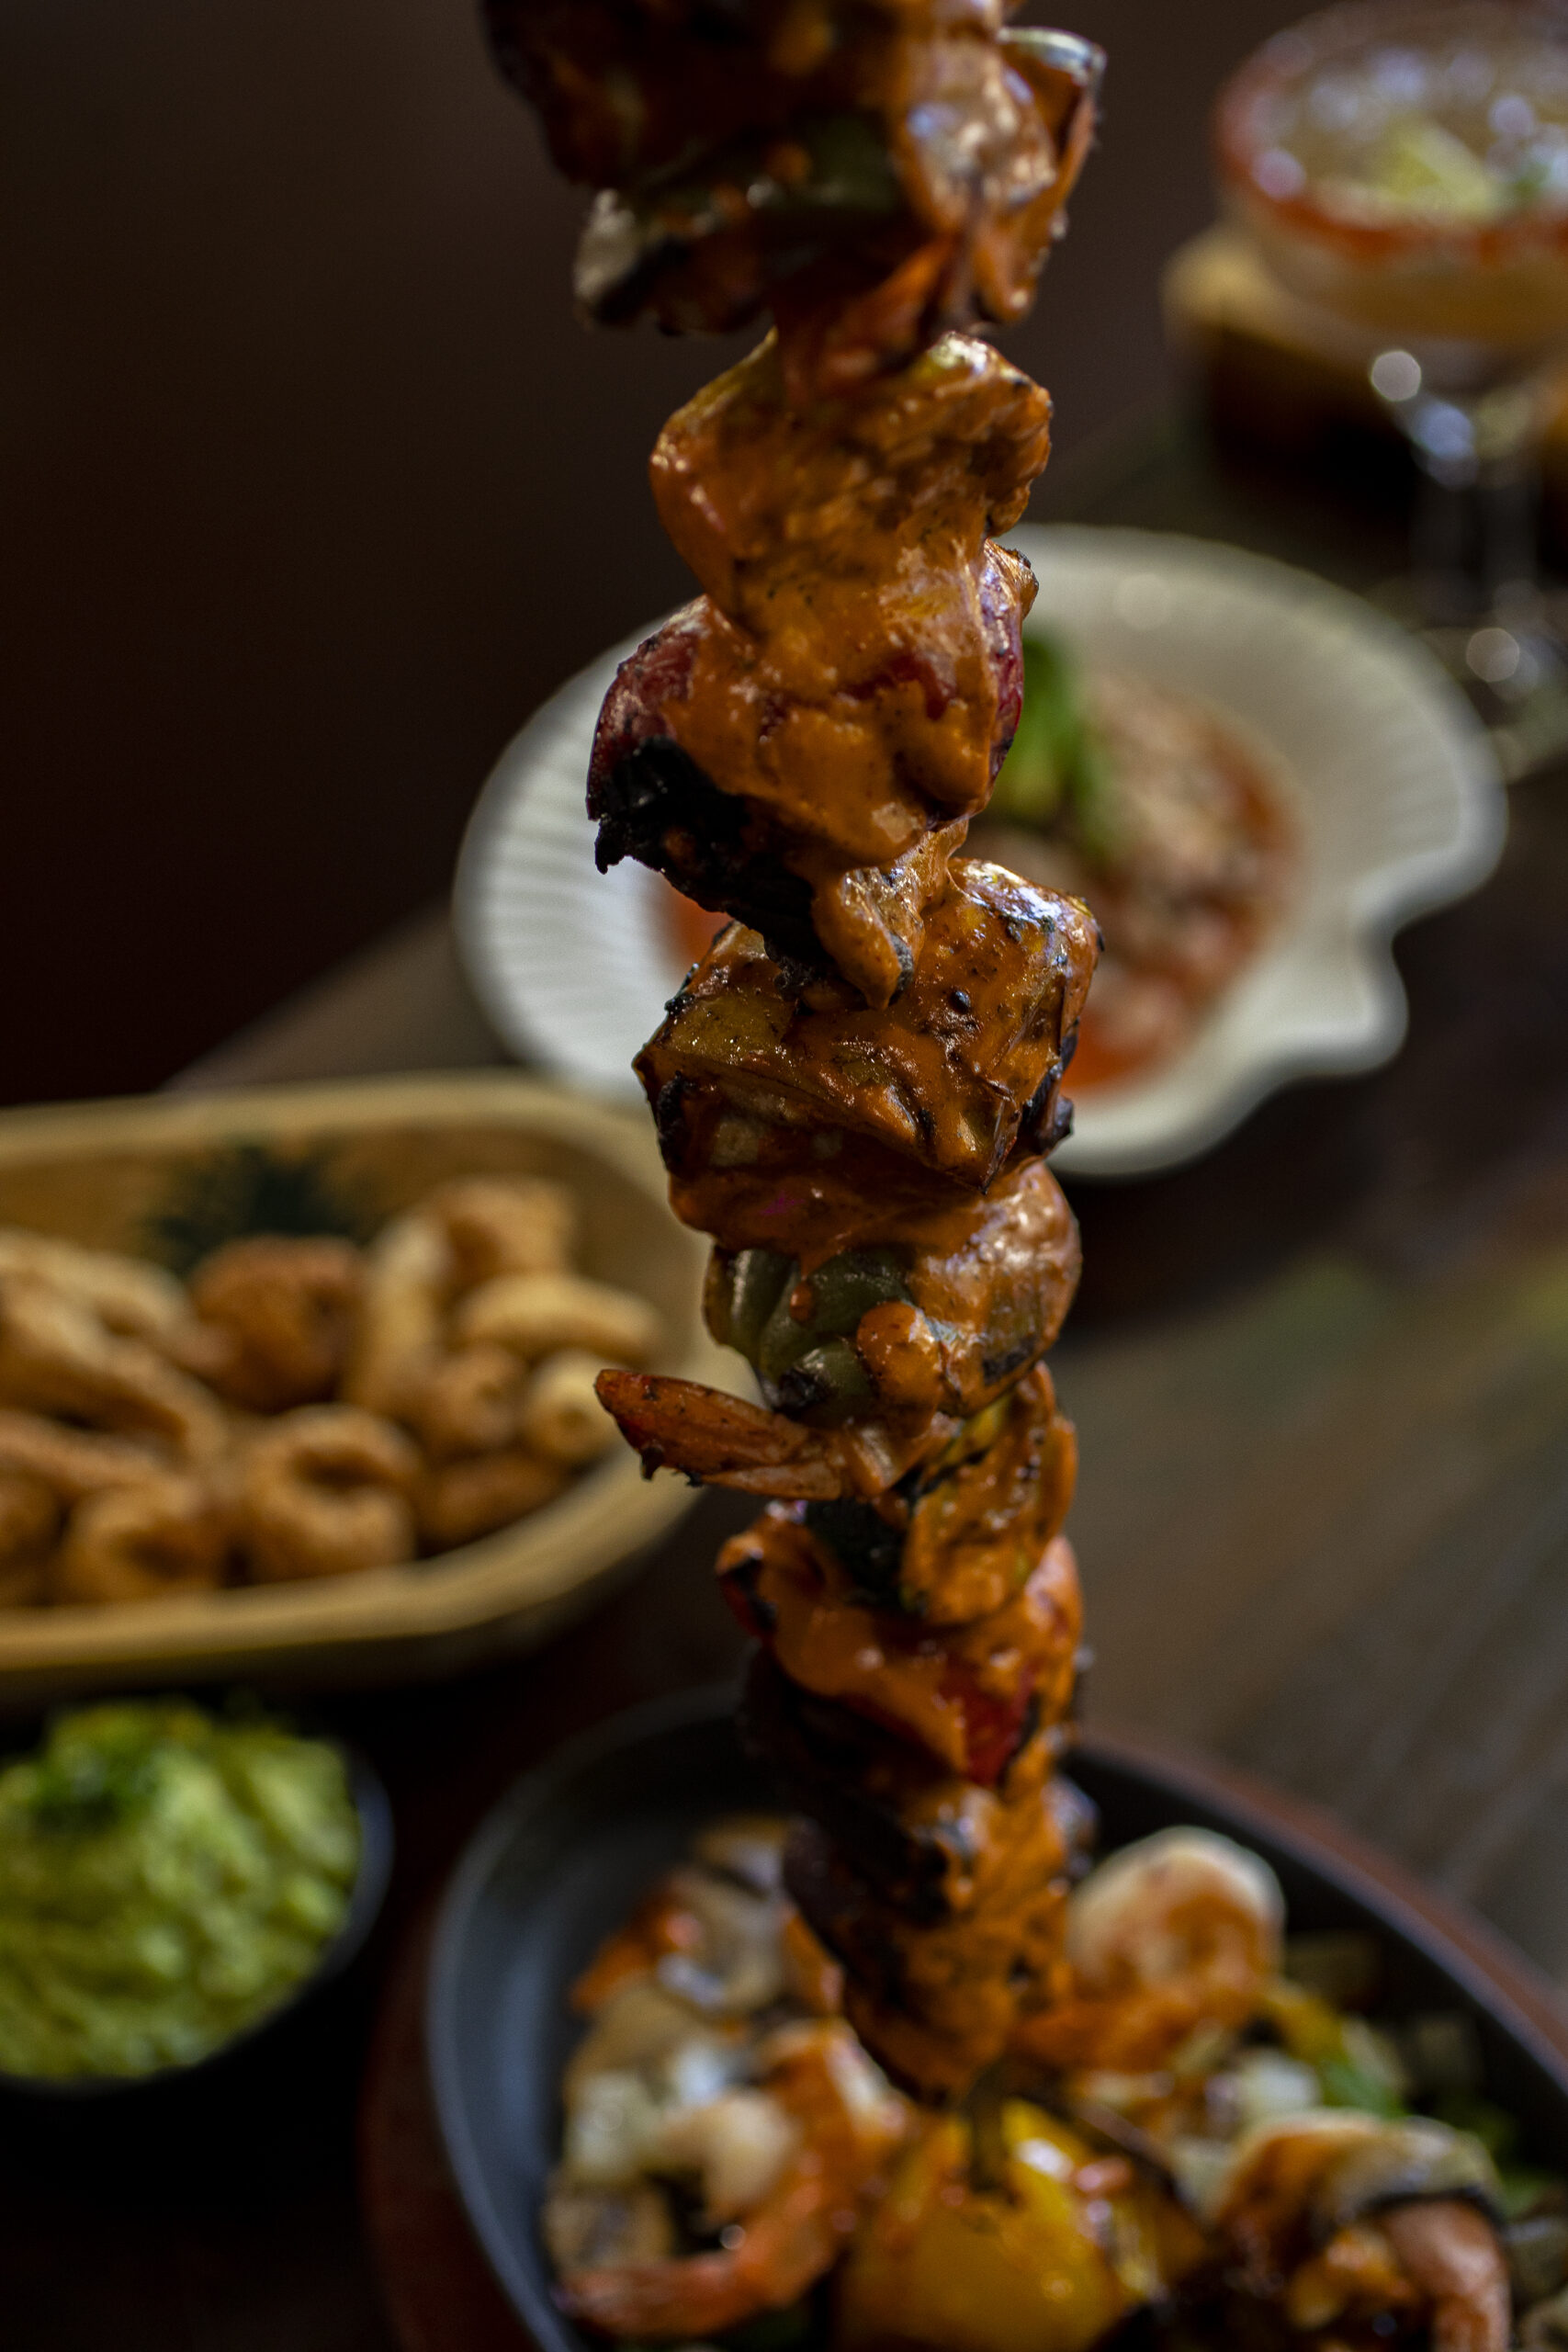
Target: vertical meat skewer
854	1090
854	1087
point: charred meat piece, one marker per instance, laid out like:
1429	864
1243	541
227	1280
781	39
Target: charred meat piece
853	545
1002	205
935	2005
960	1535
626	87
922	1837
853	677
653	802
965	1067
801	1192
923	188
701	248
971	1697
919	161
972	1497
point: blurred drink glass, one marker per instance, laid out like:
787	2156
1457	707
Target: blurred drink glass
1402	167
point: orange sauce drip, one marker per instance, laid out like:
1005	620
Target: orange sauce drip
690	929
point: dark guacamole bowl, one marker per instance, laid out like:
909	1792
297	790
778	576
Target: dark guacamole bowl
73	1795
564	1858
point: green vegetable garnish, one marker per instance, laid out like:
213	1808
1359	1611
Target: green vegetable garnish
1348	2085
1056	777
808	1364
165	1881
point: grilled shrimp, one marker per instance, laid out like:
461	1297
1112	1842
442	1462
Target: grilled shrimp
846	2124
717	1440
1182	1930
1342	2215
1451	2255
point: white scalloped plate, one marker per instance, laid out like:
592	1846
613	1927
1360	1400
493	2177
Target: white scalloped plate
1400	804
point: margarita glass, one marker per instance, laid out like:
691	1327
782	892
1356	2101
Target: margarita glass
1402	166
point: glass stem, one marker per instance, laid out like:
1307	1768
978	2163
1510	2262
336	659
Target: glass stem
1478	498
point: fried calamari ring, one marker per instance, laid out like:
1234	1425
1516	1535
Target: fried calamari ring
458	1501
276	1317
539	1315
57	1355
73	1463
468	1402
324	1492
137	1300
469	1236
397	1334
504	1224
562	1418
141	1543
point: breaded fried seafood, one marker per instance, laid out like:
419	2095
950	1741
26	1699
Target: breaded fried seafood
302	1407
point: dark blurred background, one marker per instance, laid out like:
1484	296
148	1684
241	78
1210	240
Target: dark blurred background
313	489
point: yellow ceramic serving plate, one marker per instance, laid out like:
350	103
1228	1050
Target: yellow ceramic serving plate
167	1177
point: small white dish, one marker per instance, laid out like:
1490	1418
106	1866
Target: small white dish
570	966
1400	806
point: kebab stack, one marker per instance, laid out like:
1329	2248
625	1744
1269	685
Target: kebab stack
855	1088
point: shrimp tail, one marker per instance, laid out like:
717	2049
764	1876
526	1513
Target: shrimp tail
717	1439
779	2256
1451	2252
642	2299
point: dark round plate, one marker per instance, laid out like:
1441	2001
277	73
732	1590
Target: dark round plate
376	1843
564	1857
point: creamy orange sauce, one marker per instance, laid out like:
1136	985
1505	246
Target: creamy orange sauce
973	1537
845	683
869	1056
966	1694
945	1074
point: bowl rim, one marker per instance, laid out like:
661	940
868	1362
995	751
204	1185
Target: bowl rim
490	821
378	1848
532	1793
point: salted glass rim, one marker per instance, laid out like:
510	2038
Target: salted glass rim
1288	57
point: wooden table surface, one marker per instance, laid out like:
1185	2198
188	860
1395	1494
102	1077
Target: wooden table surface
1321	1380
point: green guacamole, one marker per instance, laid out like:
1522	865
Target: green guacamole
165	1879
